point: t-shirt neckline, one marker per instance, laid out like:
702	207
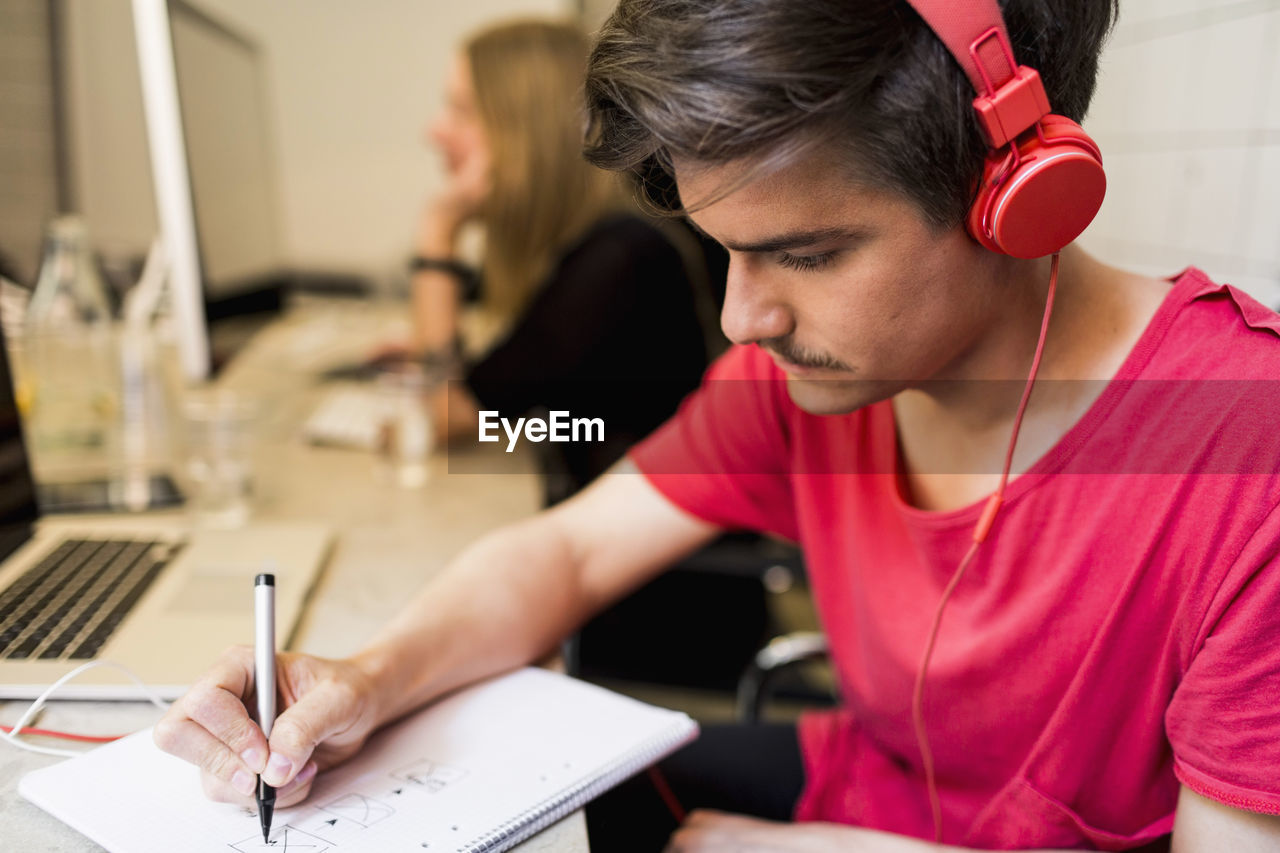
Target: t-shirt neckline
1187	285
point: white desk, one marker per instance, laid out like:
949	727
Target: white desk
387	540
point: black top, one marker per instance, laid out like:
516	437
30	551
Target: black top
613	333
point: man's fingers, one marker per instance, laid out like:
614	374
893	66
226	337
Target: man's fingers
298	789
221	792
190	742
211	727
290	795
216	702
327	709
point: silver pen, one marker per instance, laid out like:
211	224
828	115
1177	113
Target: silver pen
264	675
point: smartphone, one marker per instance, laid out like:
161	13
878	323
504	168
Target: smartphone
98	496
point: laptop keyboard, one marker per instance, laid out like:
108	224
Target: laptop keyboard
67	605
350	417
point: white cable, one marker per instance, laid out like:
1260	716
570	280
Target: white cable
12	736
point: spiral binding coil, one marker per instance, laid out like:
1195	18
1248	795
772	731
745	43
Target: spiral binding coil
544	814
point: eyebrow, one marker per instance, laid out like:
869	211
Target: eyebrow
796	240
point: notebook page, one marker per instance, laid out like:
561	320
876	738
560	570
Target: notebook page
480	763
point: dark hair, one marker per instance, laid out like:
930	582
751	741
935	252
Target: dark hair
715	81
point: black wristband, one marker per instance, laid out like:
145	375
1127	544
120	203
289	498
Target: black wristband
468	279
445	362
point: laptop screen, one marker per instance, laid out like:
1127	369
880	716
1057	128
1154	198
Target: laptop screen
17	490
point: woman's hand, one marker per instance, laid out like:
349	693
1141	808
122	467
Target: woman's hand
329	709
389	355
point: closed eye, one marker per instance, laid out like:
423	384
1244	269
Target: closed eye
805	263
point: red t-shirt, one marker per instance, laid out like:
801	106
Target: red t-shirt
1117	634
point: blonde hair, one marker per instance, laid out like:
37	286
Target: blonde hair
528	80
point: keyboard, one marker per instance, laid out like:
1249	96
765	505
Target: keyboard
68	605
350	417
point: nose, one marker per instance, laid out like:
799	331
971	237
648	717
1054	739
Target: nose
436	131
752	310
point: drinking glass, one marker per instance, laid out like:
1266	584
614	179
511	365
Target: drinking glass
219	433
406	434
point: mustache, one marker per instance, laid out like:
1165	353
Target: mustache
786	348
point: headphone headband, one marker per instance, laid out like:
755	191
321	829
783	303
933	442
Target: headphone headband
975	34
1039	190
1010	97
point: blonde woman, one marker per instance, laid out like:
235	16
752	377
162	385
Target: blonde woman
605	311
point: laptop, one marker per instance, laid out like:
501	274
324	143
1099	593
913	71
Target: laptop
140	591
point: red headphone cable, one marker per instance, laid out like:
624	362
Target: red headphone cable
980	531
668	796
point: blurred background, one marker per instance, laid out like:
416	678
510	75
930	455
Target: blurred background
1188	117
344	91
1187	113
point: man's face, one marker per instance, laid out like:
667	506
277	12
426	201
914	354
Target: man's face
851	291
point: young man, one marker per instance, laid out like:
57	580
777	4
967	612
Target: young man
1105	672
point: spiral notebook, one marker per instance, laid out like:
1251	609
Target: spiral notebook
481	770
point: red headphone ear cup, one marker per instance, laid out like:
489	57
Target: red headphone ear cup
1056	127
1048	200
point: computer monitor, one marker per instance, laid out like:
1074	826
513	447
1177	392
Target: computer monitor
227	126
211	164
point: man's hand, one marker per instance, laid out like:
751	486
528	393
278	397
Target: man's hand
329	711
1201	825
716	832
708	831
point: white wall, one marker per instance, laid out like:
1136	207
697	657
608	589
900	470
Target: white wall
1188	117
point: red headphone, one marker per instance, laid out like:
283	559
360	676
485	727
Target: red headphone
1042	184
1042	181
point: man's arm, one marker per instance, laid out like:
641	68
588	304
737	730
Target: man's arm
1200	825
506	600
513	595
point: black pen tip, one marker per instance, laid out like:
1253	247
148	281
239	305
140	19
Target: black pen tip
266	808
264	815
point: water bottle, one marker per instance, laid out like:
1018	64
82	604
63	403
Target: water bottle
69	292
73	382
